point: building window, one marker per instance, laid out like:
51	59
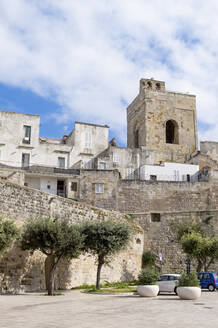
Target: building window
88	140
188	177
153	177
25	160
27	134
130	173
115	158
73	186
99	188
155	217
61	162
172	134
102	166
87	165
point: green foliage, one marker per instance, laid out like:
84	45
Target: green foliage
189	280
196	244
148	277
112	290
117	284
184	228
203	249
105	238
55	238
8	233
148	258
58	238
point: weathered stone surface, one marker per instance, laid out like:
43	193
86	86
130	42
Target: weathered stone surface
21	271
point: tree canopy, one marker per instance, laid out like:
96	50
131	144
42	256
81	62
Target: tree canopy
103	239
55	238
203	249
8	233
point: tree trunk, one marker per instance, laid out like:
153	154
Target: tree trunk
199	266
207	265
100	264
51	276
51	281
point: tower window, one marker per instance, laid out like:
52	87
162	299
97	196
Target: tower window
172	136
157	86
149	85
137	139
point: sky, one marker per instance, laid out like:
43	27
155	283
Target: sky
70	60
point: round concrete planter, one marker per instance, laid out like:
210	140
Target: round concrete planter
148	290
188	293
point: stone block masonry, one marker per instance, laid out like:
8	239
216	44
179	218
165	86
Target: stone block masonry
22	271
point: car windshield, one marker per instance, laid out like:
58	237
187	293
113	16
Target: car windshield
215	275
163	278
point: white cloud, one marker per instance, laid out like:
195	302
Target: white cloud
89	55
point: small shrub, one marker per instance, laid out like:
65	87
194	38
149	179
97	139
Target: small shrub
148	277
189	280
148	258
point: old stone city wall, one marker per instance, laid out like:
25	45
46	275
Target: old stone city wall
156	206
22	271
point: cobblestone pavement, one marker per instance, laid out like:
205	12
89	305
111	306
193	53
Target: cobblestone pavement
80	310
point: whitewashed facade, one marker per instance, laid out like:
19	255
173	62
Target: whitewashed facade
169	172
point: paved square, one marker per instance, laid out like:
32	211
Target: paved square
80	310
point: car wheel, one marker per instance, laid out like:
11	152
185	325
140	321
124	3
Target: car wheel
175	290
211	288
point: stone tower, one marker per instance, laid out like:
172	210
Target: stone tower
162	121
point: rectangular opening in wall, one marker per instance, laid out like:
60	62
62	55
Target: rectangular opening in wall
155	217
115	158
88	140
129	173
25	160
73	186
87	165
102	166
153	177
27	134
61	190
99	188
61	162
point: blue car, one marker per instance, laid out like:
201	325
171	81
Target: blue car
208	280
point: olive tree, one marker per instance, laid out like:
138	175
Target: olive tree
203	249
103	239
8	233
56	239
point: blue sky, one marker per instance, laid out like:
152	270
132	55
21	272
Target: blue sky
76	60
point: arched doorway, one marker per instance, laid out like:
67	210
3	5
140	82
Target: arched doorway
172	133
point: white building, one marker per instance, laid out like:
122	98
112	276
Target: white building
53	165
169	172
21	145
